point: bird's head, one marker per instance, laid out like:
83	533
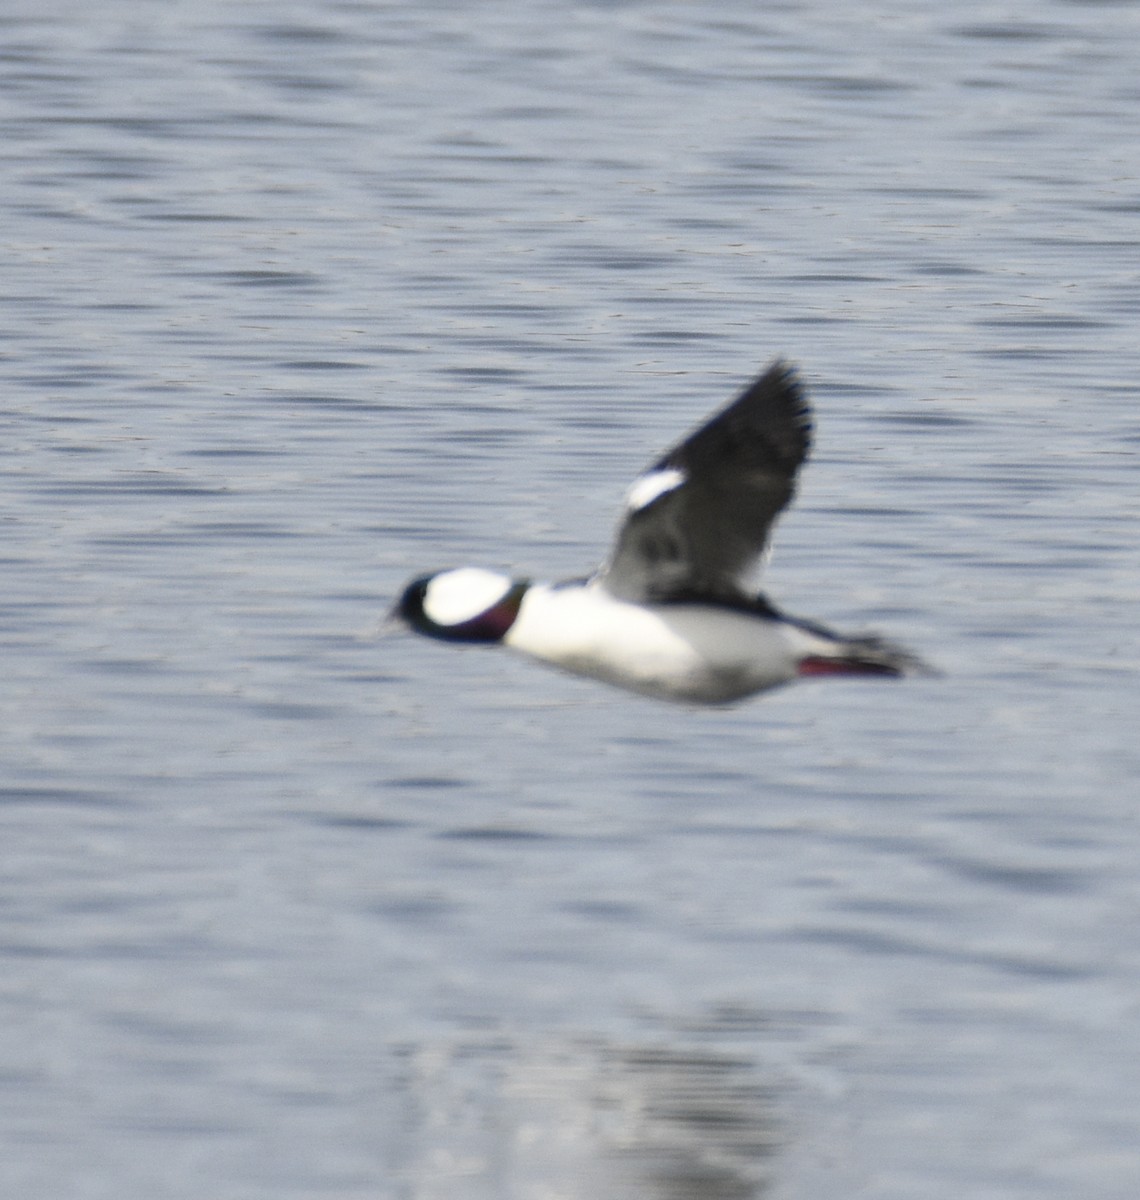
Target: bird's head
463	605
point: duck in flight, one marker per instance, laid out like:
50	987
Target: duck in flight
674	613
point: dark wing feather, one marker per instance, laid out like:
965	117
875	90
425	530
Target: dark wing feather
721	489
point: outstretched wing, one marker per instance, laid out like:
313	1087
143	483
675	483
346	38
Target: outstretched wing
697	521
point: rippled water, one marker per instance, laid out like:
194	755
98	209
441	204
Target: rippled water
304	298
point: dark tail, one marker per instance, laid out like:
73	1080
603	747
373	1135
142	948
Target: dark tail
864	656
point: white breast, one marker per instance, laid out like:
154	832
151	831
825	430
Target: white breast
679	651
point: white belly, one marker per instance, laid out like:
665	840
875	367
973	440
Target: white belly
677	652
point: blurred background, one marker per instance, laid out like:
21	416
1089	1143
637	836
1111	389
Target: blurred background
304	298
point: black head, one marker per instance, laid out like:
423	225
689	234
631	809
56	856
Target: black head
464	605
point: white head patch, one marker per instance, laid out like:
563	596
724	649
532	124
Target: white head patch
651	487
453	597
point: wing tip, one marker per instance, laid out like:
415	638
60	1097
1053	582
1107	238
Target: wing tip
784	377
773	411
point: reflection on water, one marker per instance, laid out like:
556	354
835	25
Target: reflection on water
586	1118
303	295
702	1126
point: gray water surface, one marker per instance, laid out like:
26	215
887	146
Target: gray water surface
302	299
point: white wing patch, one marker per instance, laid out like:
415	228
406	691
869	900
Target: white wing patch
453	597
652	487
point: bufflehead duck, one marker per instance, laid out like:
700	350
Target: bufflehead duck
673	613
